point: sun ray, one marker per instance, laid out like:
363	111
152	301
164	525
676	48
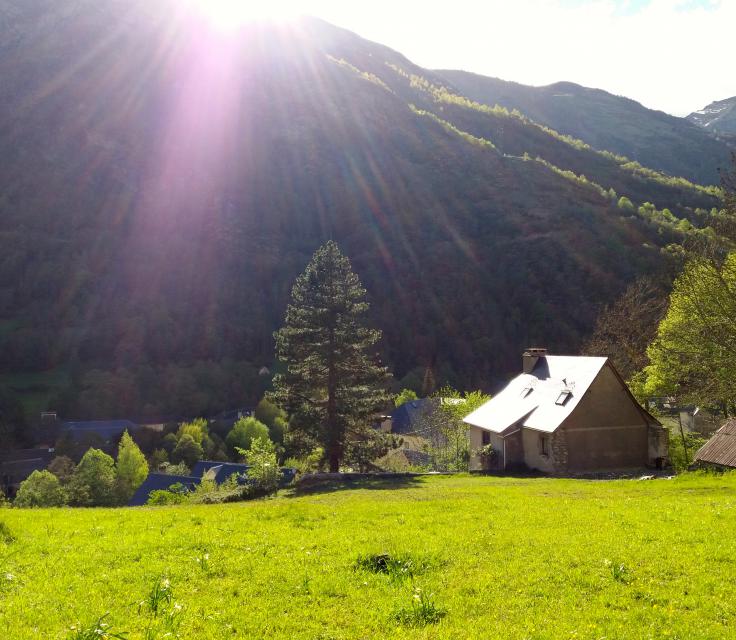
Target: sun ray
231	14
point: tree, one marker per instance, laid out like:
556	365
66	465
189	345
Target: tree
158	458
93	481
625	328
187	451
62	467
274	417
694	353
333	383
406	395
626	204
197	428
244	432
40	489
442	425
131	468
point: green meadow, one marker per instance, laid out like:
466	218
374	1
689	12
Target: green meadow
433	557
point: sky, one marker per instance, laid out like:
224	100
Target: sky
671	55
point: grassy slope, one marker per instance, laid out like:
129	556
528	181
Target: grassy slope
511	558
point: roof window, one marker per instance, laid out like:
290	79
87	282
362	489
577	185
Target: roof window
564	396
526	391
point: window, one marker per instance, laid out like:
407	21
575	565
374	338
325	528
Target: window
486	438
526	391
544	445
563	397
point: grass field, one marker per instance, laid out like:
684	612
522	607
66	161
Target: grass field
468	557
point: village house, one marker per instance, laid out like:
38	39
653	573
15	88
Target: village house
720	451
565	415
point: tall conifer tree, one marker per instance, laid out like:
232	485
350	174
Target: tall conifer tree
333	384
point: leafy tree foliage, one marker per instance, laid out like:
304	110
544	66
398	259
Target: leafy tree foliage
131	468
443	427
62	467
244	432
694	353
187	451
40	489
333	383
406	395
93	481
158	458
274	418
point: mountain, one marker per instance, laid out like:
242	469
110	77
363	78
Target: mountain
719	118
163	183
605	121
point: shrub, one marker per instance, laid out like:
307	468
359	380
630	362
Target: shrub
40	489
174	469
177	493
308	463
264	473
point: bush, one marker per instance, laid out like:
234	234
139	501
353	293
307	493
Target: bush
264	473
174	469
309	463
40	489
176	494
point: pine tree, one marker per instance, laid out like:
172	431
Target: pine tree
332	385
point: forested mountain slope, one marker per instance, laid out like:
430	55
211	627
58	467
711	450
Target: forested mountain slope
163	183
605	121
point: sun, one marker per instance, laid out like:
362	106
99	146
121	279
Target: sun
231	14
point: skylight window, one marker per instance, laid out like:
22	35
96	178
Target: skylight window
526	391
564	396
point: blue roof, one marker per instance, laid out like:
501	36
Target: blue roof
103	428
159	482
222	470
404	418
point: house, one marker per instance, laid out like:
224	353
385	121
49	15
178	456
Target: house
16	466
565	414
211	469
720	450
109	431
408	417
161	482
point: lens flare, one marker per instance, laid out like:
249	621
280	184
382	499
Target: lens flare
231	14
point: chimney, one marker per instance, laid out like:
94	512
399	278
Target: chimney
531	357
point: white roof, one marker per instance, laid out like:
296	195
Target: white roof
538	408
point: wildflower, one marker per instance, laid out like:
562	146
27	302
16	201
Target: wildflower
9	577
